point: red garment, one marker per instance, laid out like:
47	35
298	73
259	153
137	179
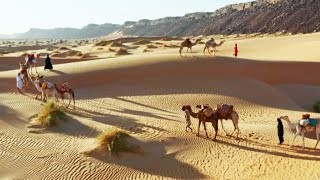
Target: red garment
63	89
235	51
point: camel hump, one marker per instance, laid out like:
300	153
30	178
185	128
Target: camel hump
208	111
224	110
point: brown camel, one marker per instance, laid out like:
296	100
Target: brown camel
212	44
64	90
203	119
44	92
31	63
188	44
233	115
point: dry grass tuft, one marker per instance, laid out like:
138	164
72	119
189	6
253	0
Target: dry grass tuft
114	141
150	46
50	114
142	42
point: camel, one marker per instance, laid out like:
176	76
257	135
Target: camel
212	44
301	130
31	63
69	92
44	93
24	74
203	119
232	116
188	44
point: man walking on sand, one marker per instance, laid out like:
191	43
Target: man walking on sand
19	83
188	121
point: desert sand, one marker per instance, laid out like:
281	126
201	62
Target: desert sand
143	93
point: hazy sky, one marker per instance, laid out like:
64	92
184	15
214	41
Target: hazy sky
21	15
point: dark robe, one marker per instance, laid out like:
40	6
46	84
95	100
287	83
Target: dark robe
48	64
280	131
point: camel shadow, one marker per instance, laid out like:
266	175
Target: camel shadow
151	161
70	126
143	113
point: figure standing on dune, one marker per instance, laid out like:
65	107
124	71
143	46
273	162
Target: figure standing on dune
48	64
187	116
280	131
235	50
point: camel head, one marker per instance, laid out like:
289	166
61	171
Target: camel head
188	107
286	118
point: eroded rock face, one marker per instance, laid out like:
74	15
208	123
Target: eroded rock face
261	16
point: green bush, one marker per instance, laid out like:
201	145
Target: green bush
114	141
316	107
50	114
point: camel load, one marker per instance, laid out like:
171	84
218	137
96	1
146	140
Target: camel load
224	111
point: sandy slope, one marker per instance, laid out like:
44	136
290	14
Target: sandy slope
143	93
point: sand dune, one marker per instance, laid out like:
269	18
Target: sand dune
144	93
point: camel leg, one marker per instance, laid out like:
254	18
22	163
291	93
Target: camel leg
187	51
318	139
215	127
205	129
302	135
209	51
180	50
225	132
294	138
204	50
191	52
199	127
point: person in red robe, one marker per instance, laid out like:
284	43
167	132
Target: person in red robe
235	50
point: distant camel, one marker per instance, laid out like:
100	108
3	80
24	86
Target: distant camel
203	119
301	130
31	63
188	44
69	92
212	44
233	115
44	93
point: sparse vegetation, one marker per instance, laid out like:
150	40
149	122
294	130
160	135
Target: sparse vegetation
316	107
122	51
114	141
50	114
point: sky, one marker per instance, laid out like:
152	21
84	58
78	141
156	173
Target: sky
18	16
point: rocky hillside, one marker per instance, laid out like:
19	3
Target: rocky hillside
89	31
264	16
261	16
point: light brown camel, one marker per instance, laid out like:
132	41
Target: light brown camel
301	130
212	44
188	44
31	63
24	74
232	116
44	92
64	90
203	119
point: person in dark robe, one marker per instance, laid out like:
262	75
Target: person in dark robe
280	131
48	64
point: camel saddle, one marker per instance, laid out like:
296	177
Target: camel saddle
224	110
208	111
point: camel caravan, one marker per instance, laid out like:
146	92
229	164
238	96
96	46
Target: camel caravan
209	44
207	114
44	88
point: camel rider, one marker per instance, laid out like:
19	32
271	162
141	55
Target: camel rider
305	120
211	41
188	41
46	85
64	88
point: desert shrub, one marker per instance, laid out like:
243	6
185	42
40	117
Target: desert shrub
114	141
50	114
316	107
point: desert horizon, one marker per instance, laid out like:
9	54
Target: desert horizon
236	104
